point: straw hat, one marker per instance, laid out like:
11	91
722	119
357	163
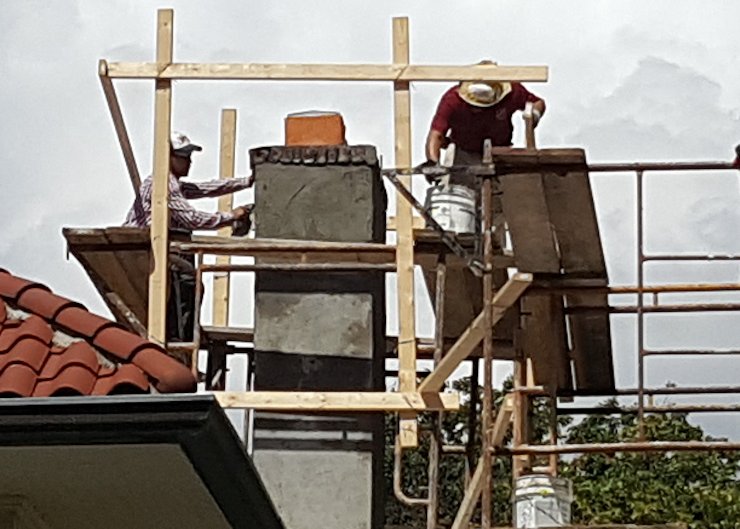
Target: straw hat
483	93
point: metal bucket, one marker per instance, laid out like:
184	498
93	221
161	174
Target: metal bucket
453	207
541	500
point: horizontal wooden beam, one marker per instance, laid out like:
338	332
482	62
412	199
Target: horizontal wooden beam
285	250
506	296
241	246
321	72
613	448
340	401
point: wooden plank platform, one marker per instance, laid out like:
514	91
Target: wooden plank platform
543	339
550	213
464	300
425	346
528	219
582	255
116	260
552	221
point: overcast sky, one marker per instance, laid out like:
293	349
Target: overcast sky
629	81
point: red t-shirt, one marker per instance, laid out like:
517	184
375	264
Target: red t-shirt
469	126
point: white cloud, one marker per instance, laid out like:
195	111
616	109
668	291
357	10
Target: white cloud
629	81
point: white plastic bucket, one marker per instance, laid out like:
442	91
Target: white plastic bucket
453	207
541	500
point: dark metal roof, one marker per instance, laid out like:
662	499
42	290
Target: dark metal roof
195	423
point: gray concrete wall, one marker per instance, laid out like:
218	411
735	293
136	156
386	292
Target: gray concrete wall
320	331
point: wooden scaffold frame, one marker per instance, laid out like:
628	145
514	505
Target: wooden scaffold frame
400	72
412	398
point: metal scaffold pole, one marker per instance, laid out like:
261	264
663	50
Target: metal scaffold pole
640	312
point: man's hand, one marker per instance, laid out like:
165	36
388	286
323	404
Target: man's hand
427	164
536	115
242	221
538	109
431	170
242	212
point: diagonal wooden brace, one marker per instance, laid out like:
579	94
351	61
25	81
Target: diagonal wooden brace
471	337
472	493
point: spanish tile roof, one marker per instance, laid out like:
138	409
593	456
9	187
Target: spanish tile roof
50	345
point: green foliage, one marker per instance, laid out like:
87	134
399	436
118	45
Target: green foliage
452	469
701	489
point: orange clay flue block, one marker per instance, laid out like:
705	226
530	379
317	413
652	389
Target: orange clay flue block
314	128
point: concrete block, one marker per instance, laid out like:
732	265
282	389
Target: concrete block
323	489
320	331
331	203
298	323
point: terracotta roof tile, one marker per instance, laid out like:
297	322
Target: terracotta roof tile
172	376
80	322
42	302
125	379
71	379
79	354
11	287
27	350
119	342
33	328
17	380
50	345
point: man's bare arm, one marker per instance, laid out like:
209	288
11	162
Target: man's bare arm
539	108
435	140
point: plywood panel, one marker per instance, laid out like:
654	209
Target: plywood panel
543	339
554	229
107	263
592	348
135	263
528	219
464	301
573	217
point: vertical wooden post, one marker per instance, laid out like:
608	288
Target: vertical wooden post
157	324
529	126
521	414
436	437
487	460
553	427
471	445
408	430
221	280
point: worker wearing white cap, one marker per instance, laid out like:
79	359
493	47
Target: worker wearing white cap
183	215
184	218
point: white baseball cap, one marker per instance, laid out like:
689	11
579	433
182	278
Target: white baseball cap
181	145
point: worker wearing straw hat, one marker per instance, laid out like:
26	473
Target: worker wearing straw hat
474	111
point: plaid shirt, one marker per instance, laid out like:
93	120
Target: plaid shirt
182	214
